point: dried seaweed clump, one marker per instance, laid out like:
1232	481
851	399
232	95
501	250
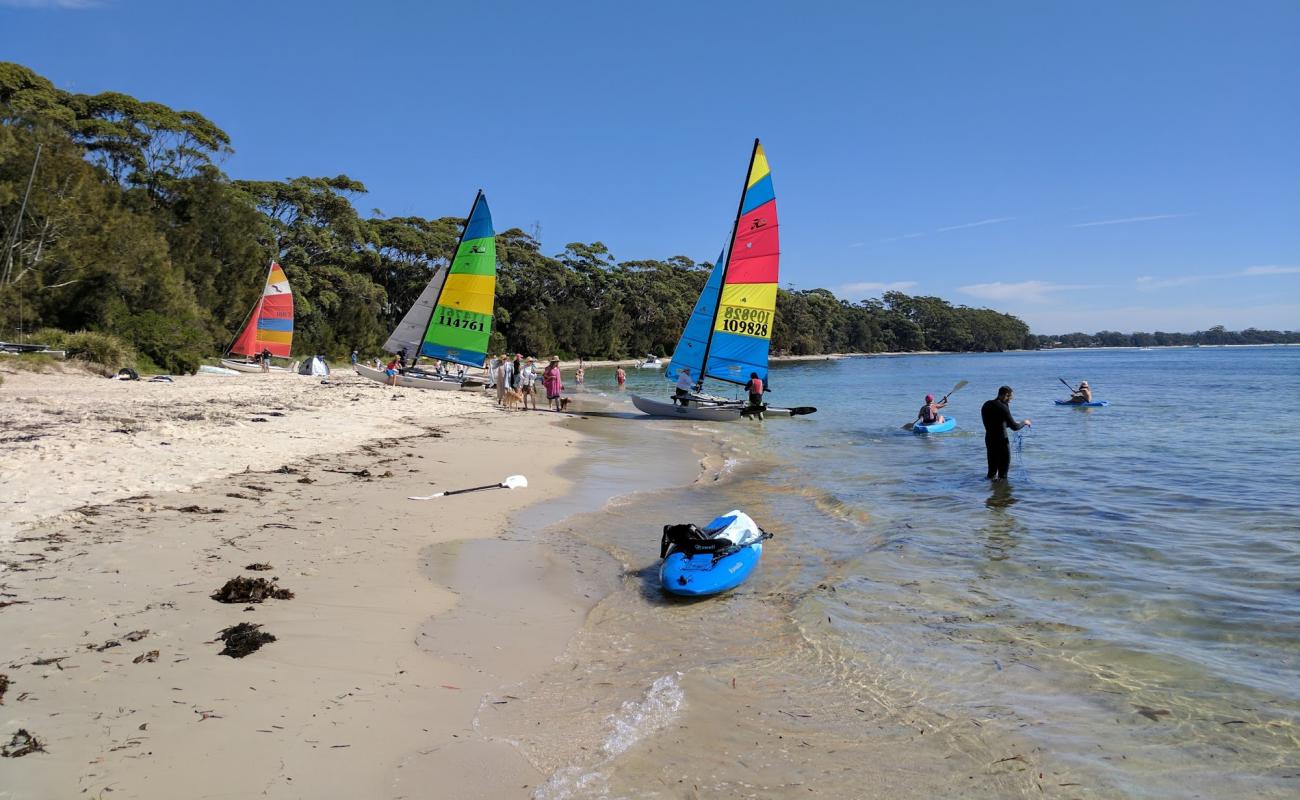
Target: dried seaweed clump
243	639
20	744
4	687
259	567
250	590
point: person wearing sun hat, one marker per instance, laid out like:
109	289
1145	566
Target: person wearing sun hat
929	412
553	381
1081	395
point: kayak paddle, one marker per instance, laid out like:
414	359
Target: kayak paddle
1068	386
513	482
960	385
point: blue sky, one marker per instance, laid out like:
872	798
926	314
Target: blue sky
1085	165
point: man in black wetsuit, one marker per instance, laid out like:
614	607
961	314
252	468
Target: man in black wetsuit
997	418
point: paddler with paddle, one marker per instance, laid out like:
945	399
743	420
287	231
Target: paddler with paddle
933	408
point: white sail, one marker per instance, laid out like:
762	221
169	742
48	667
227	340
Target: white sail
410	331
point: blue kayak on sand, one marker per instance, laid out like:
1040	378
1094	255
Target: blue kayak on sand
938	427
1093	404
719	557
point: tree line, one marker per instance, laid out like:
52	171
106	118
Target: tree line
1217	335
132	229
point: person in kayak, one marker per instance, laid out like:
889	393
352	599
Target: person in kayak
997	418
929	412
684	385
755	387
1081	395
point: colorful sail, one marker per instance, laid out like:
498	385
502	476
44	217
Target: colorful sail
742	324
695	336
461	322
409	334
270	325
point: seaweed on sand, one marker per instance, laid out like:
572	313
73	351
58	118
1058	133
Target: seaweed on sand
259	567
250	590
243	639
4	687
20	744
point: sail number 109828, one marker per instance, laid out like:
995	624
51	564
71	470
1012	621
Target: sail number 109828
746	321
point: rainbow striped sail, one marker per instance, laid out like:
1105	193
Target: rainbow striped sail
270	325
461	322
739	300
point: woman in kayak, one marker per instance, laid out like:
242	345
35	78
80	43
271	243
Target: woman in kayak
929	412
1081	395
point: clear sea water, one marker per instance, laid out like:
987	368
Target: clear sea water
1120	619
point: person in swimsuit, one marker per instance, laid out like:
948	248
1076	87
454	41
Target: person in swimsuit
756	388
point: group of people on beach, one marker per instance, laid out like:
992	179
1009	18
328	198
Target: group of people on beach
516	381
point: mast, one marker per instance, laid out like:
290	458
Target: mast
18	222
731	247
459	241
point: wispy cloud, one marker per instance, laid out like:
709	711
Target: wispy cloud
71	5
858	244
981	223
1270	269
1128	220
993	221
1148	283
1024	291
870	288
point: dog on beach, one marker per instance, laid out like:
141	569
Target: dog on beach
564	404
513	398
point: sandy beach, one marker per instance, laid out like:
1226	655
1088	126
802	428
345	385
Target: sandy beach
109	634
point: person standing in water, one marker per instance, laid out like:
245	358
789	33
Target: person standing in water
620	377
684	385
997	418
756	388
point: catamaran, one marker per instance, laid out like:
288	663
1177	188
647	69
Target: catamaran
451	320
730	328
268	327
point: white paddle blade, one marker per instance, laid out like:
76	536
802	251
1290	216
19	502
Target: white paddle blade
427	496
515	482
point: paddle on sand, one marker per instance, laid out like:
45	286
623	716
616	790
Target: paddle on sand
513	482
955	389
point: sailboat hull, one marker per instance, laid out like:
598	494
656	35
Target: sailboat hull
253	367
409	381
660	408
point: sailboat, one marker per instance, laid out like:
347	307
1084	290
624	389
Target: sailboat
451	320
730	328
268	327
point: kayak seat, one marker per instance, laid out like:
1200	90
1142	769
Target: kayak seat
689	539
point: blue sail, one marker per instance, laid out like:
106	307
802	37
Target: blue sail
695	337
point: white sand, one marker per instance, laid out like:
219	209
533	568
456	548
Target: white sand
68	440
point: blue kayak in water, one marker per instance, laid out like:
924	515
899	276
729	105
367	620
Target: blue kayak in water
938	427
1093	404
699	562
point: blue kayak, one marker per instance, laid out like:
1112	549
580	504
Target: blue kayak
938	427
1093	404
710	561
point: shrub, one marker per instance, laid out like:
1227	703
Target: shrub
104	349
174	343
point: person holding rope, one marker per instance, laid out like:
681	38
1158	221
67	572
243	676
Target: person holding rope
997	418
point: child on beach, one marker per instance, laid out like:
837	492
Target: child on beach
391	372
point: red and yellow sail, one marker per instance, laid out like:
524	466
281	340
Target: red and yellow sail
270	326
742	325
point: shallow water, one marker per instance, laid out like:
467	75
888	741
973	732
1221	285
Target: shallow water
1119	619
